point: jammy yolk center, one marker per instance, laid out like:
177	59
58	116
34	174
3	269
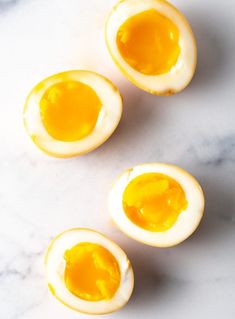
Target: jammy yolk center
92	273
69	110
154	201
149	42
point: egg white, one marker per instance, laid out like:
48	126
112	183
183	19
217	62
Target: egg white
187	221
55	267
181	74
109	117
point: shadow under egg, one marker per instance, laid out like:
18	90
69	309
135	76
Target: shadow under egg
212	50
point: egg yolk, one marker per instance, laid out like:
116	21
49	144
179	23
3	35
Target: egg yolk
69	110
92	273
149	42
154	201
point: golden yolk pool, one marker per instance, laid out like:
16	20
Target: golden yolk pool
149	42
92	273
154	201
69	110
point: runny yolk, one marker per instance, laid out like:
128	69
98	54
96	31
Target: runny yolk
154	201
92	273
149	42
69	110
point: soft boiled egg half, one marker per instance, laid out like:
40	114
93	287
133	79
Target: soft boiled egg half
88	272
72	113
153	45
158	204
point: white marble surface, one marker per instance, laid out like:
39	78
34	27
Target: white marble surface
41	196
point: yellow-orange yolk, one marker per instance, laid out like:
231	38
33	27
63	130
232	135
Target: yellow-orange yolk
92	273
154	201
149	42
69	110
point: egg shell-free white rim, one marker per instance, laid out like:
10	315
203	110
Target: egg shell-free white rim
181	74
108	120
55	266
187	221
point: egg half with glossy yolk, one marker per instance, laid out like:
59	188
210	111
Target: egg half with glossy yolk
158	204
153	45
72	113
88	272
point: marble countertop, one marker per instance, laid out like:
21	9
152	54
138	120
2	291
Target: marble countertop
41	196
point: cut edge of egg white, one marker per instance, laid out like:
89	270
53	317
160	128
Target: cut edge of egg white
181	73
188	220
55	267
108	120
